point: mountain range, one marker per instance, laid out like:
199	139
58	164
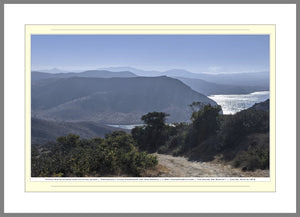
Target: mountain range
207	84
210	88
35	75
258	79
112	100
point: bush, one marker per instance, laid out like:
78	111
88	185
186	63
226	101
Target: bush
236	127
176	139
252	159
114	155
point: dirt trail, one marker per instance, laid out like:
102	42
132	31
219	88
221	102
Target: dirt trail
170	166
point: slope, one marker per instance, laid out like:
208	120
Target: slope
113	100
43	131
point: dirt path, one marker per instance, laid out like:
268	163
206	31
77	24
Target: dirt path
170	166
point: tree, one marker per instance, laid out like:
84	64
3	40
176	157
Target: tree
196	106
155	119
154	134
205	122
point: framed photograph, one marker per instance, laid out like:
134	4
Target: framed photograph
150	108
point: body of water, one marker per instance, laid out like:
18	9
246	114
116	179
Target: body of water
232	104
125	126
129	126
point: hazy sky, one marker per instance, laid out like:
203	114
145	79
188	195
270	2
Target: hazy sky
196	53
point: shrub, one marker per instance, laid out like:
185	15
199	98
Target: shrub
114	155
236	127
176	139
252	159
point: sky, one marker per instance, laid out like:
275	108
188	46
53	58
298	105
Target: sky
196	53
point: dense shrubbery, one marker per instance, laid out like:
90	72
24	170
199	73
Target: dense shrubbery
252	159
114	155
176	143
209	134
236	127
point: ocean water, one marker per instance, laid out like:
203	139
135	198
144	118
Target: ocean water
232	104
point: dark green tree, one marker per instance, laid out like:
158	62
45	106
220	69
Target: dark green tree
154	134
205	122
155	119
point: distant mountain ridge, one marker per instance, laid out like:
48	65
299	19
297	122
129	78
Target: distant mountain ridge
113	100
35	75
209	88
207	84
255	80
53	70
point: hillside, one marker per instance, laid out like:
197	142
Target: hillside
43	131
263	106
113	100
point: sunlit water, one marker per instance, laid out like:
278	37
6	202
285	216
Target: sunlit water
125	126
232	104
129	126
